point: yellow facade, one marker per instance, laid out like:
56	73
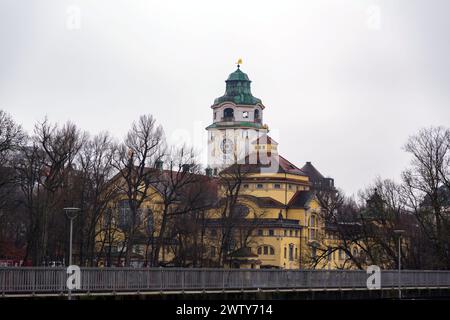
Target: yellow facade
289	231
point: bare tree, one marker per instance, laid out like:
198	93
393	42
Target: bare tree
12	138
11	220
230	184
426	188
365	231
180	193
134	160
94	191
188	220
45	169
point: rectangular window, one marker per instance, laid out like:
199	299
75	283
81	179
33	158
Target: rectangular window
213	252
259	186
277	186
107	218
150	222
260	232
125	214
271	232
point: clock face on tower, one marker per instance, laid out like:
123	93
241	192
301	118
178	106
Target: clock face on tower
226	146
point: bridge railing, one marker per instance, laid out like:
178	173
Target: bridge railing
53	280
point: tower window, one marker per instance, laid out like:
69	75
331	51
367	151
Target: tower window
245	114
256	114
228	114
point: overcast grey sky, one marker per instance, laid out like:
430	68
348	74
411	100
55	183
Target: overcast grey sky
344	82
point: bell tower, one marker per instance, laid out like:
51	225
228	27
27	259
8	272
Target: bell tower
237	122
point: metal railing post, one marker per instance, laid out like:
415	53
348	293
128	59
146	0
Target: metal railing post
223	280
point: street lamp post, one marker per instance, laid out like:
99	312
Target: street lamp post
399	232
71	213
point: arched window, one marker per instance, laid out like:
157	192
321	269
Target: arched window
228	114
272	251
291	252
256	114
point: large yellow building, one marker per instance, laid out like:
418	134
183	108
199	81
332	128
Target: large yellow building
279	221
279	197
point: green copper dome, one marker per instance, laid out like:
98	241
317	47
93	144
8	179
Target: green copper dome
238	90
238	75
